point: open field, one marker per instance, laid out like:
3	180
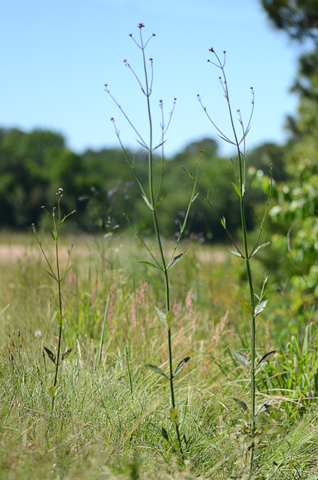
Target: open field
111	416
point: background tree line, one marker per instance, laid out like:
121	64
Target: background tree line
99	185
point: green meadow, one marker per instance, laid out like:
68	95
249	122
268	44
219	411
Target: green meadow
111	417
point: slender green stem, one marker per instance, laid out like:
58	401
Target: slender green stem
158	238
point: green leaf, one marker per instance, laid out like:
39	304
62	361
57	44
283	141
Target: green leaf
223	222
51	355
174	415
234	252
66	354
181	365
263	406
162	317
51	275
195	197
241	404
248	307
242	359
66	272
236	188
159	201
156	370
260	307
169	319
52	391
265	357
175	260
165	434
147	202
149	264
259	248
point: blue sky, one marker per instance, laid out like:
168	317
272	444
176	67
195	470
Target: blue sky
57	55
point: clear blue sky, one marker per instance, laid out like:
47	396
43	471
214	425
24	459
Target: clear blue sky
57	55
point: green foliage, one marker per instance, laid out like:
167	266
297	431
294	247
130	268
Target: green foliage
100	188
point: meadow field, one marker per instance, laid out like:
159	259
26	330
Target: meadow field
111	416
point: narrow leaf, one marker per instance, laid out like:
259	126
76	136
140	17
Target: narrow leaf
52	391
260	307
263	406
236	188
147	202
162	316
248	307
156	370
194	198
265	357
66	354
242	359
159	201
174	415
51	355
165	434
234	252
223	222
169	319
149	264
176	259
241	404
51	275
259	248
181	365
66	272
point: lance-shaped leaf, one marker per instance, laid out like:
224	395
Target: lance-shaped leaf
147	201
260	307
181	365
242	359
162	316
223	222
237	189
52	391
161	199
265	357
234	252
195	197
248	307
66	354
174	415
176	259
165	434
241	404
156	370
149	264
263	406
259	248
51	355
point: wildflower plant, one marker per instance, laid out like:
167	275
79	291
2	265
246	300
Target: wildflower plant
257	302
154	198
58	276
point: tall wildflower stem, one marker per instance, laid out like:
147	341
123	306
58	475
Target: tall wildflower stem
240	175
158	238
152	201
56	221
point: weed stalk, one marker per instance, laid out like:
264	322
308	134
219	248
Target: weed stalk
153	200
56	221
257	304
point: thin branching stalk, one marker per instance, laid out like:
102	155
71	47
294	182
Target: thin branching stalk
56	221
152	201
253	307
